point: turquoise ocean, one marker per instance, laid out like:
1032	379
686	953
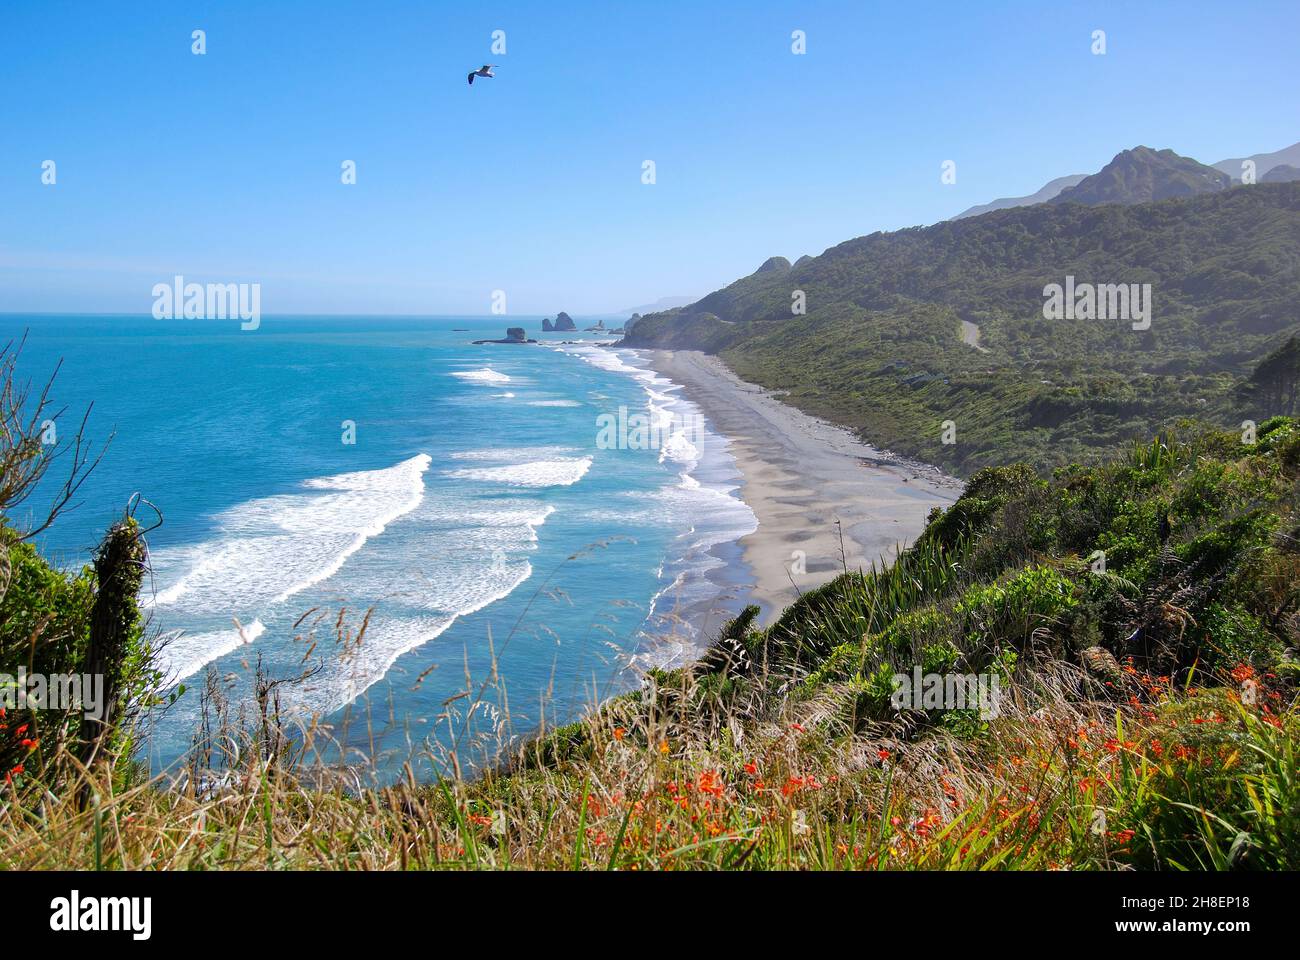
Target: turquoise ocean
319	475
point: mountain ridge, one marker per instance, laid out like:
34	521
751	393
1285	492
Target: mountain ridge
1142	175
1264	162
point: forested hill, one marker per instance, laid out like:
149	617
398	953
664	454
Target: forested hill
880	347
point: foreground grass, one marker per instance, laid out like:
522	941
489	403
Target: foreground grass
1185	780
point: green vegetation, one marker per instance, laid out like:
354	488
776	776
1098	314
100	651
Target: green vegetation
879	349
56	625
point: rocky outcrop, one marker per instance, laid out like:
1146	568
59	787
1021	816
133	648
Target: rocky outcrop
513	335
564	322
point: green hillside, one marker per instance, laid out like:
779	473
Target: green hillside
880	347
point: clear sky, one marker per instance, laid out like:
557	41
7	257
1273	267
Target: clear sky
226	167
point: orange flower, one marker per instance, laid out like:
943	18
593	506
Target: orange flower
619	733
883	754
1243	672
663	746
751	768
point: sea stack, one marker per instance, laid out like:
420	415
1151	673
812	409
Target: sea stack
513	335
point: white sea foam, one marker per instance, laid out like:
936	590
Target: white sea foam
455	556
488	565
554	403
485	375
560	472
513	454
269	549
188	653
388	638
713	509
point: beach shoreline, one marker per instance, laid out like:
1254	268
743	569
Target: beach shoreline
825	501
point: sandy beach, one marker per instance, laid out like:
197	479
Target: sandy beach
824	500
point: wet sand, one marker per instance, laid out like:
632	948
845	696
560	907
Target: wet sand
825	501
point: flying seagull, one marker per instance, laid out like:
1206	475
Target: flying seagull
483	71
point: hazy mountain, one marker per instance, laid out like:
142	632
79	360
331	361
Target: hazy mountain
1281	174
1264	162
663	303
1049	190
1142	175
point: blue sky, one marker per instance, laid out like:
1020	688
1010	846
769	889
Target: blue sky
226	167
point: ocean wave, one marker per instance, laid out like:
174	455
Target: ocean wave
513	454
187	653
471	554
562	472
269	549
388	638
713	511
489	565
485	375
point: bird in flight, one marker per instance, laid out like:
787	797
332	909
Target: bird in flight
483	71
